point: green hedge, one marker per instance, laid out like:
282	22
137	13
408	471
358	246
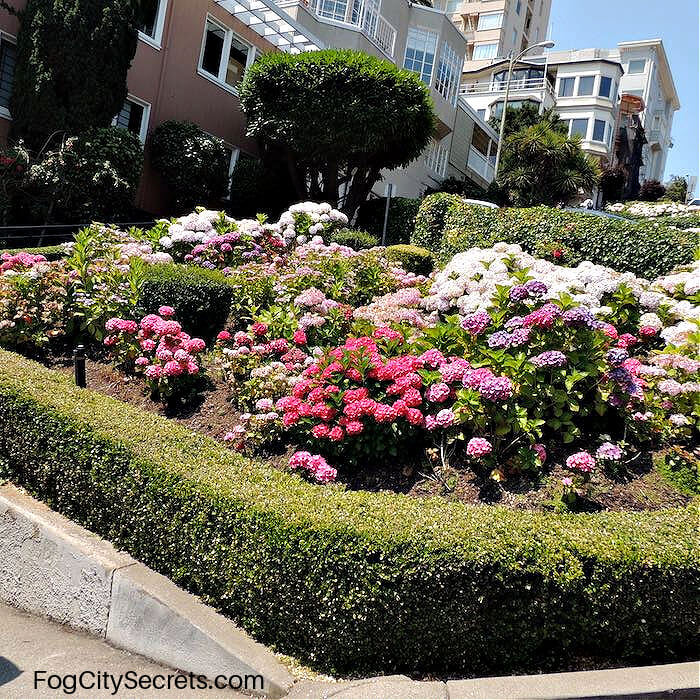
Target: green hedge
50	252
202	298
353	581
354	238
448	225
412	258
402	217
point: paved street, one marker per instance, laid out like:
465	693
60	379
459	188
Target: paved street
30	644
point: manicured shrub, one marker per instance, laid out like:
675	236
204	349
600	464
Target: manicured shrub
91	177
677	190
354	238
412	258
644	248
50	252
402	218
651	191
430	220
202	298
353	581
193	164
257	188
681	469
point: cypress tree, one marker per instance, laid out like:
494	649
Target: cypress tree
72	61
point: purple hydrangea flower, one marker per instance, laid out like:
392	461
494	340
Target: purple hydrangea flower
536	288
500	339
578	317
476	323
518	293
520	336
609	451
616	356
515	322
496	389
550	358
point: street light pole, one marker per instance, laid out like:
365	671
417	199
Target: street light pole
511	63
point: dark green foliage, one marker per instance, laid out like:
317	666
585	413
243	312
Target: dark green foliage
257	188
651	191
402	218
446	225
92	177
193	164
202	298
677	190
541	165
412	258
336	116
681	469
464	188
72	61
354	238
352	581
430	220
612	183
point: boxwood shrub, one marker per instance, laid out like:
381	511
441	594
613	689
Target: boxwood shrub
353	581
202	298
447	225
412	258
50	252
402	218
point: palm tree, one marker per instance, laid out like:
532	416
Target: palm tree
541	165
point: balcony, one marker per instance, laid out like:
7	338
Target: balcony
359	15
480	164
497	87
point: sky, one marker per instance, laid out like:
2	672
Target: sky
583	24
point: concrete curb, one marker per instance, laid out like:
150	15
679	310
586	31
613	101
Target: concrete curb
52	567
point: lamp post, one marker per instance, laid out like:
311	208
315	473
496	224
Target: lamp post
512	61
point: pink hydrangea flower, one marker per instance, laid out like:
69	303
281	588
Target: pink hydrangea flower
166	311
581	461
479	447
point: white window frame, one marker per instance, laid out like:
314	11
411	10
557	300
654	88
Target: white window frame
637	72
146	119
450	77
220	79
4	36
436	158
574	89
500	14
605	131
156	40
485	43
427	35
594	91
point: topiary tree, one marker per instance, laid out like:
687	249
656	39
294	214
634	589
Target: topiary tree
651	191
677	190
543	166
336	118
72	61
193	164
259	188
92	177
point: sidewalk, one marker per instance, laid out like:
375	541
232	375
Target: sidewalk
29	644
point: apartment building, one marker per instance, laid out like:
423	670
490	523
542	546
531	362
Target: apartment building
587	87
192	55
494	28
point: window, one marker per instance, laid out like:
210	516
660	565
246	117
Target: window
585	85
151	19
448	73
599	130
566	87
482	114
134	116
515	37
579	127
453	6
224	56
637	66
333	9
8	58
485	51
421	46
490	20
518	7
605	86
436	158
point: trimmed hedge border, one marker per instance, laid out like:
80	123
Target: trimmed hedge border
353	581
50	252
448	225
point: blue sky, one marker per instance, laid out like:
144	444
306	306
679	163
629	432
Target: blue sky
581	24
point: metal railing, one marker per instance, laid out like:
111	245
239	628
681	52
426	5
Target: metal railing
498	86
359	14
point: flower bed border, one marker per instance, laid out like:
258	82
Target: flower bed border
353	581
